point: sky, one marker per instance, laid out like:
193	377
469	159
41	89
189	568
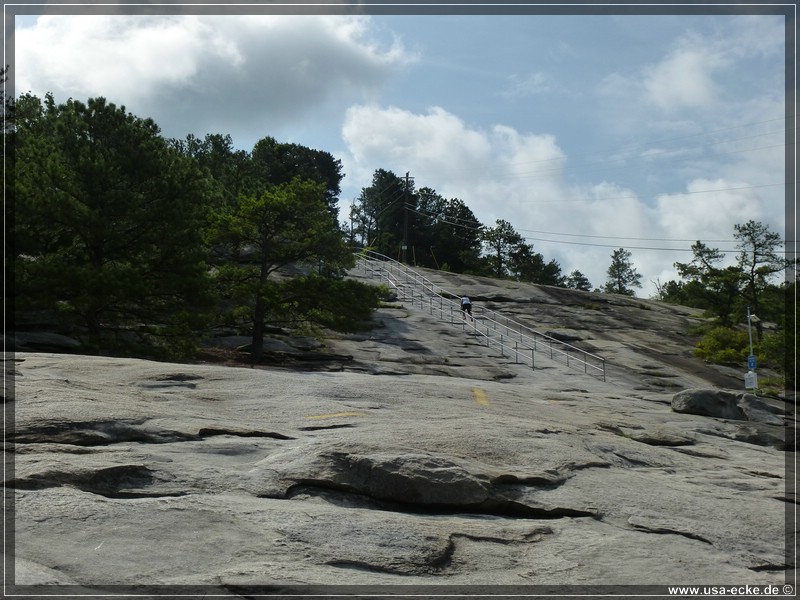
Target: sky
587	133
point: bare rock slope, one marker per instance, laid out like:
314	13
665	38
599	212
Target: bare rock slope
425	460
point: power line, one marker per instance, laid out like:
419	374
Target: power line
729	189
470	225
642	239
597	245
581	235
709	133
602	164
645	145
635	239
627	247
610	156
642	247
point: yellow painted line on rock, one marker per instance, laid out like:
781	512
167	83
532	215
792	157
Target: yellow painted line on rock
480	397
335	415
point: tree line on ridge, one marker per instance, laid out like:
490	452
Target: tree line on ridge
137	243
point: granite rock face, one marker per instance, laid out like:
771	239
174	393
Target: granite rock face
424	461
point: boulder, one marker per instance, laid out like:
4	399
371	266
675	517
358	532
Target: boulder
708	403
41	341
757	410
723	404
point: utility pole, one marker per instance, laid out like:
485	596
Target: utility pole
352	237
405	224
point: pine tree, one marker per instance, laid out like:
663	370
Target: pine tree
578	281
108	225
622	274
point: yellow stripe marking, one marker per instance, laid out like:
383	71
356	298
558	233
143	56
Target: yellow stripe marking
480	397
335	415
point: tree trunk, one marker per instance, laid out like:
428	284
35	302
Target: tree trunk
260	310
257	346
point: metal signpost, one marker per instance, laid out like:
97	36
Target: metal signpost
750	378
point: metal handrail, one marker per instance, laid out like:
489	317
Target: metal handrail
412	285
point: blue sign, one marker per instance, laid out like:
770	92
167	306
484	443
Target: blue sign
751	362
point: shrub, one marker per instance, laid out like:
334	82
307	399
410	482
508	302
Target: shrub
723	345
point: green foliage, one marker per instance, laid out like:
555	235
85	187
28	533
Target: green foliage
758	260
288	224
338	304
446	234
231	170
685	293
622	274
508	256
502	243
108	222
275	163
529	266
442	233
113	224
578	281
726	292
285	224
773	347
379	215
723	345
780	347
727	346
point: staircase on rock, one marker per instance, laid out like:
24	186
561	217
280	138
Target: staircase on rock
496	331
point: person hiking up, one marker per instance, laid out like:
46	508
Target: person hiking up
466	308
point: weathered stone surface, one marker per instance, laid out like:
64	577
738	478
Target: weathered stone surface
252	476
426	460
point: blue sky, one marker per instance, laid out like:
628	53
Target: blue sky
586	132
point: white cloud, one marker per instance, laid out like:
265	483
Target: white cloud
717	204
494	171
124	56
437	145
700	71
683	80
243	75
